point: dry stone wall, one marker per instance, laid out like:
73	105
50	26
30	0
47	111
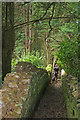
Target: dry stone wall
71	94
22	89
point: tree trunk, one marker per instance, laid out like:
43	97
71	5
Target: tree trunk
8	40
0	45
34	45
26	36
29	28
54	60
47	55
27	31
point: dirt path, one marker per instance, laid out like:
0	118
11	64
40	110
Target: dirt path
52	104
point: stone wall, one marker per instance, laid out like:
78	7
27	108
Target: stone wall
71	94
22	89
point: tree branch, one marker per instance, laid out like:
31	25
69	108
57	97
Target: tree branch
50	21
47	10
51	16
33	21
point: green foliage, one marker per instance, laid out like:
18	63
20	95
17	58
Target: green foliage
71	27
49	68
13	63
33	57
19	44
67	55
62	47
65	42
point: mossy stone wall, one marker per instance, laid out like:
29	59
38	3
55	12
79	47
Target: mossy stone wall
22	90
70	91
38	83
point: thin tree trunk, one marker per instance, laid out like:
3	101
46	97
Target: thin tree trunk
26	32
29	28
47	55
54	60
26	41
34	46
32	35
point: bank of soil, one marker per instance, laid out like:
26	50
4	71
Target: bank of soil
52	104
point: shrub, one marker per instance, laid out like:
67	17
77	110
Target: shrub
33	57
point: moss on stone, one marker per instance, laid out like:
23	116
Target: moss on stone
71	96
23	88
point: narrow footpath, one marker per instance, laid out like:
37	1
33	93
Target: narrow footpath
52	104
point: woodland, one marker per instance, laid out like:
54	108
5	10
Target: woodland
39	32
35	36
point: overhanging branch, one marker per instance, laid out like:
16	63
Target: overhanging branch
33	21
47	10
51	16
50	21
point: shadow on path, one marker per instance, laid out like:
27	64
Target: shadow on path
52	104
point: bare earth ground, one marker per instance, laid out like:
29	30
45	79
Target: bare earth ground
52	104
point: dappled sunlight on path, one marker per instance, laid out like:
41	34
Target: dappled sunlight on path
52	104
